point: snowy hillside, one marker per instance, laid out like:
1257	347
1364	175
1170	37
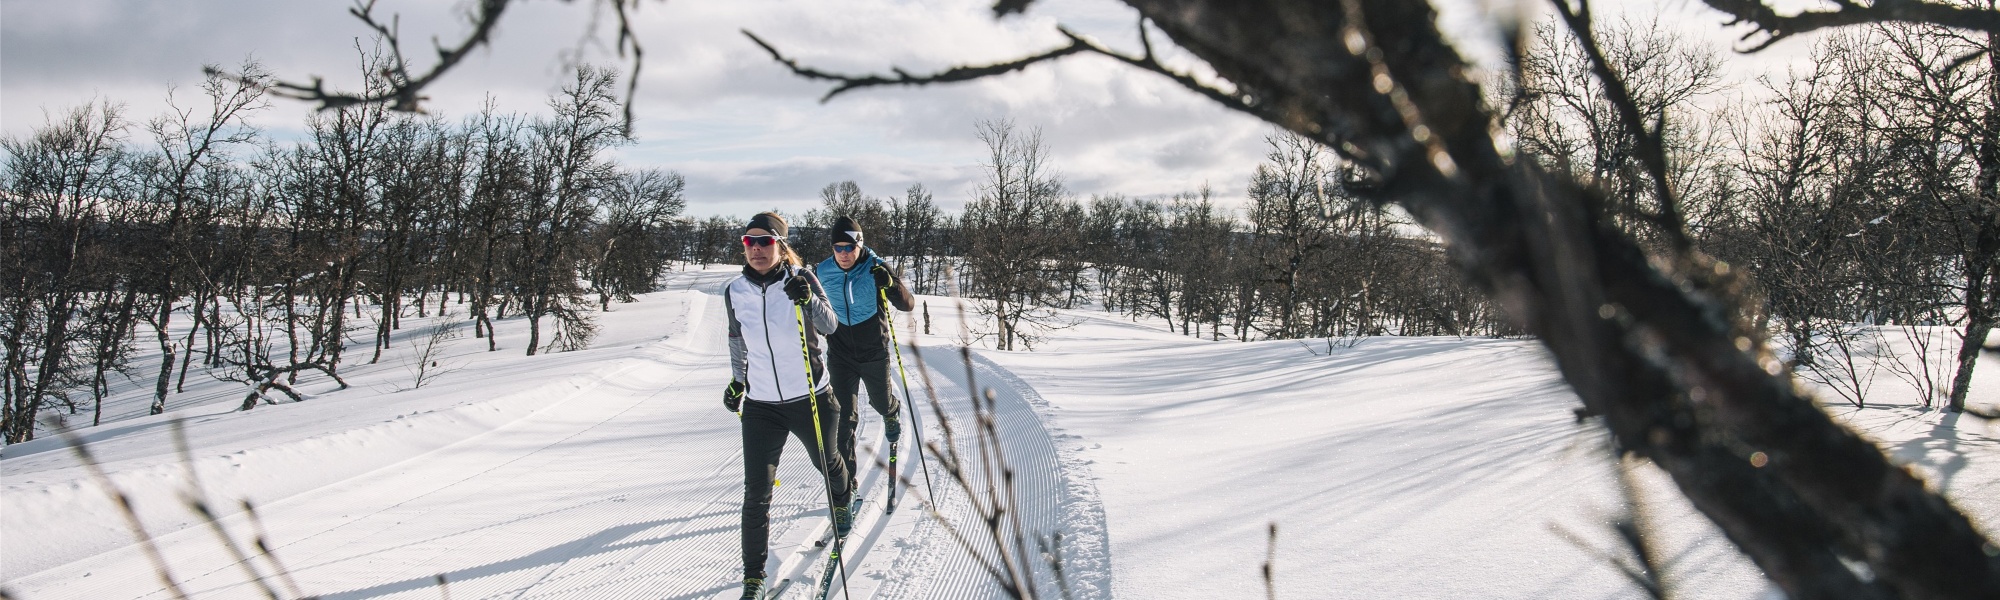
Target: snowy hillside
1392	467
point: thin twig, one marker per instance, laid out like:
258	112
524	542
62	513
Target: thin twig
1270	562
954	74
403	93
262	542
1052	553
628	39
197	500
124	501
994	500
1077	43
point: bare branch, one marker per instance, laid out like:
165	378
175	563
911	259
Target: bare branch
1148	61
1766	21
1077	43
955	74
627	39
1003	8
151	548
404	91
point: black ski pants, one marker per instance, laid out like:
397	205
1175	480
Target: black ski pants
765	427
847	378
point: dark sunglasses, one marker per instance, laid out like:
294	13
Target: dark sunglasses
759	240
845	248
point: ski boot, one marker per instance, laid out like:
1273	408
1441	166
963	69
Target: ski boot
753	588
843	521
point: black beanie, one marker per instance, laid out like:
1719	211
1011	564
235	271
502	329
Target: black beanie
769	221
845	230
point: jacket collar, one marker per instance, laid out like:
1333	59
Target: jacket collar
777	274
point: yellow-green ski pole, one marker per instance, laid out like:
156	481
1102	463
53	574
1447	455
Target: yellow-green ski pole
819	437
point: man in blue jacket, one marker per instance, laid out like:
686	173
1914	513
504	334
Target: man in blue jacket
858	350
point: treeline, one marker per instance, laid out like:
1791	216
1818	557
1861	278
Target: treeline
1305	258
195	235
1861	192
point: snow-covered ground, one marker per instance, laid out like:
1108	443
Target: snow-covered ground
1392	468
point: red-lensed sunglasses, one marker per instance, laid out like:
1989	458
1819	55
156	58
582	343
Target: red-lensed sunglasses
759	240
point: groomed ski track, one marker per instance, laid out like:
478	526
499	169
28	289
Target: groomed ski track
628	488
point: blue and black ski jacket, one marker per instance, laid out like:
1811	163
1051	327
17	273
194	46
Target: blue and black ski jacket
862	335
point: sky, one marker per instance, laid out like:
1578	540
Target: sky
747	134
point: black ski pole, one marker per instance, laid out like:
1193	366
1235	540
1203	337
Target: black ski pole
916	423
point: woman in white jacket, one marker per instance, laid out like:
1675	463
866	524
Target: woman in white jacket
780	385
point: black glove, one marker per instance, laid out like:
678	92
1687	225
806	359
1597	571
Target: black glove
883	280
798	290
732	397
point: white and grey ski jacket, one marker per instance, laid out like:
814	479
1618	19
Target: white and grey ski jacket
764	348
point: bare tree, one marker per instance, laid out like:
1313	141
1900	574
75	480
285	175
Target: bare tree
1012	234
1200	239
636	212
1290	214
187	148
568	173
1942	105
61	183
915	224
1569	119
500	179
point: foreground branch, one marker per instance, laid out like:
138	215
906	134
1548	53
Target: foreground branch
1766	21
955	74
404	92
1077	44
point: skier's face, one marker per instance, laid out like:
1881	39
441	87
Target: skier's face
763	257
845	253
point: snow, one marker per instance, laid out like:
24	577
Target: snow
1392	467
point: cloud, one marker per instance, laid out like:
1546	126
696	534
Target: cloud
742	128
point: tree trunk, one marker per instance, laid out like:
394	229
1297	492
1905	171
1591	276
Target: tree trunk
166	352
1979	320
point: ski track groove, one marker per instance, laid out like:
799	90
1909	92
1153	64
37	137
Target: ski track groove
562	503
932	563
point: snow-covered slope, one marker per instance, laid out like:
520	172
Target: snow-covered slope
1393	468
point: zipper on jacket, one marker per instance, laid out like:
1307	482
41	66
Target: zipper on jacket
764	301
